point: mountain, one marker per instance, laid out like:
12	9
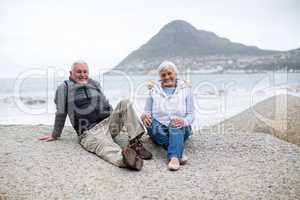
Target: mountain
194	49
287	61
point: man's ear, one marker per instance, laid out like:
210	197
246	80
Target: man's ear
70	73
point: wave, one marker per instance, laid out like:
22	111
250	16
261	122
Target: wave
116	96
27	100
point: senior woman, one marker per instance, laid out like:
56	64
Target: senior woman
169	113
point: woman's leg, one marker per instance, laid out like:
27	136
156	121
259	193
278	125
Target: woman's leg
159	134
176	142
177	137
171	139
187	132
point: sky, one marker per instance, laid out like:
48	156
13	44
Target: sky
47	33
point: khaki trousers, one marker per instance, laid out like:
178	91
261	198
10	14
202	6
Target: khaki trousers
107	138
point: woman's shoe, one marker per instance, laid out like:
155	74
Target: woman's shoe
184	159
174	164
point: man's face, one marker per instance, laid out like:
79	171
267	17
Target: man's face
80	73
168	77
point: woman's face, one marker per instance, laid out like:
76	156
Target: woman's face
168	77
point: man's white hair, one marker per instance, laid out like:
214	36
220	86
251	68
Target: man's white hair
76	63
167	65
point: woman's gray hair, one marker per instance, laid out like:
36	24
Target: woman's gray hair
77	62
167	65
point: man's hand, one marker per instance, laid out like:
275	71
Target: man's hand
146	119
47	138
177	122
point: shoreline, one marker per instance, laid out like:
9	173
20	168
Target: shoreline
246	120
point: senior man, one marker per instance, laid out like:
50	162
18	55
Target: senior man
96	123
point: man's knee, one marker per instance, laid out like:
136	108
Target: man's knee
125	102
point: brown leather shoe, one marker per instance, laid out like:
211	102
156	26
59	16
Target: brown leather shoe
139	148
131	159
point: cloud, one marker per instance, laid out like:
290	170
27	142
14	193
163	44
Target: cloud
42	33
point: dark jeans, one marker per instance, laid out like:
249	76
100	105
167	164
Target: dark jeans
171	139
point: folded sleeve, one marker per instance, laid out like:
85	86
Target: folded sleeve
61	110
148	105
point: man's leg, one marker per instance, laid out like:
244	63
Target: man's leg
100	142
125	115
122	139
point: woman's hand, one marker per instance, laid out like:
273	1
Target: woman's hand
47	138
177	122
146	119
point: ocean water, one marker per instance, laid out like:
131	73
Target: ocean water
216	96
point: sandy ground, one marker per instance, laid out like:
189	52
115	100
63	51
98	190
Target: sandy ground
227	163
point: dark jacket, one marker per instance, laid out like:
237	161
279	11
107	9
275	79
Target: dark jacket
86	105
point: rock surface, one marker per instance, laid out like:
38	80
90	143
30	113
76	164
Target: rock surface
278	115
221	166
